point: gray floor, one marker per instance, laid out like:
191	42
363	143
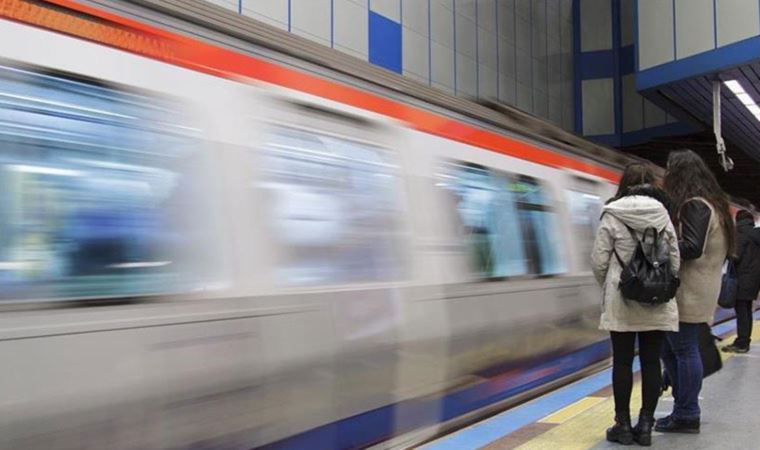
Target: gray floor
730	410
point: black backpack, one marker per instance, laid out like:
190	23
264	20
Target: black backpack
648	277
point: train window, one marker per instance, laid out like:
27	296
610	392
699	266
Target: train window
506	220
94	191
489	219
585	209
538	223
335	208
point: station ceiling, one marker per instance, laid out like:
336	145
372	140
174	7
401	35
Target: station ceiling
690	100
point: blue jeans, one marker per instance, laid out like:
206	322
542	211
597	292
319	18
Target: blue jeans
684	365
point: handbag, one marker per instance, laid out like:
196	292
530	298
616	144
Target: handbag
729	286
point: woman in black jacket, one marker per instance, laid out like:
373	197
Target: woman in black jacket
748	275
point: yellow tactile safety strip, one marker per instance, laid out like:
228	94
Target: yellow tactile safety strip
582	425
572	410
582	431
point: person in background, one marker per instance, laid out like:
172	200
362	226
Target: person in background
706	238
748	275
637	206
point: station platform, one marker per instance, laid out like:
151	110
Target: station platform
576	416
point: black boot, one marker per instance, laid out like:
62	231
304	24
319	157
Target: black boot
621	432
642	432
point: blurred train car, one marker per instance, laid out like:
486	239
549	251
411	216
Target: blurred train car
200	248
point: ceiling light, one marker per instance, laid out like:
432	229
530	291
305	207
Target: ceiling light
734	86
746	99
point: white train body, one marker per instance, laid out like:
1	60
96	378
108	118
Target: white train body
330	264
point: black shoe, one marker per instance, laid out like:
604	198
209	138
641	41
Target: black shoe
733	348
670	424
621	432
642	432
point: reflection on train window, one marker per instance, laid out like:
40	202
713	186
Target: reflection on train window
538	222
335	208
506	221
91	189
585	209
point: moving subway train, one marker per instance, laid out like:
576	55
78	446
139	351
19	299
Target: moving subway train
211	248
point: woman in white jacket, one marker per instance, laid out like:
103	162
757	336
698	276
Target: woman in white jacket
637	206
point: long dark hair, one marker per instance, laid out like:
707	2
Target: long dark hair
635	174
686	177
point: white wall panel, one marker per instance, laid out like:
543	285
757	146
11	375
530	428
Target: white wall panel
554	71
553	46
538	13
507	63
538	29
523	35
487	15
555	110
633	105
522	8
506	17
540	103
695	27
442	62
737	20
524	67
566	11
655	33
596	32
415	15
311	19
566	36
524	97
540	75
507	87
552	19
466	8
568	117
415	53
442	24
488	81
465	36
273	12
467	77
487	51
351	32
388	8
598	107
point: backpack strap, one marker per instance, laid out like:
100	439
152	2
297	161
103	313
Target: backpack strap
620	261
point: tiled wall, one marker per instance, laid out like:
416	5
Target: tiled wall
517	51
611	110
671	30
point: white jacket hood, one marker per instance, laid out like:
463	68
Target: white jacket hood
639	212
